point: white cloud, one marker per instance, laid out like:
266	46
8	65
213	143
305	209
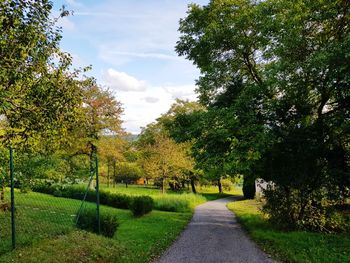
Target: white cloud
142	107
184	92
121	81
151	99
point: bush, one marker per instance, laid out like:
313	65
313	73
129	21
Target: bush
88	221
77	192
249	187
287	209
141	205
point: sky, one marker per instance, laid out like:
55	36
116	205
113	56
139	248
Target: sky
130	45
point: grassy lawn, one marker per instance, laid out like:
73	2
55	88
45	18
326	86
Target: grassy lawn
45	230
294	246
173	201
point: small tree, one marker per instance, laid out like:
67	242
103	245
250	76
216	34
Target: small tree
127	172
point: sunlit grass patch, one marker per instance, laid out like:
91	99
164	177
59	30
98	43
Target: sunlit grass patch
293	246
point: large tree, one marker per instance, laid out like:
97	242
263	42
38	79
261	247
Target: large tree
39	94
275	76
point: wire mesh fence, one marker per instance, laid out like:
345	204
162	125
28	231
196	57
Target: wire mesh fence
41	208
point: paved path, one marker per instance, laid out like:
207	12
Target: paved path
214	236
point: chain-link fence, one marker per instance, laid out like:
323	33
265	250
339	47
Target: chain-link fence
34	208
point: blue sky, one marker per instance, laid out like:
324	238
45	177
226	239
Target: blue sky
130	45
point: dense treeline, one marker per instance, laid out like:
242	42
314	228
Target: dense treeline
276	90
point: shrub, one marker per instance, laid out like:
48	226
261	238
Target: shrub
287	209
77	192
88	221
118	200
141	205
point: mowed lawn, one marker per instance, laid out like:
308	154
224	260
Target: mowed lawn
294	246
46	233
45	230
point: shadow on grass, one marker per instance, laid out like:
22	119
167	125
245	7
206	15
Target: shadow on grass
214	196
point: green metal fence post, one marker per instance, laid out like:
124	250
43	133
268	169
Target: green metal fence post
97	197
13	226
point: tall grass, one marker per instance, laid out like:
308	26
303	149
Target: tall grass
177	202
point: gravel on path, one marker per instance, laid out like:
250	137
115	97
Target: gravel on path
214	236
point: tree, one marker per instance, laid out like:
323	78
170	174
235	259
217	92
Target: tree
181	123
100	116
111	149
39	95
165	159
275	80
127	172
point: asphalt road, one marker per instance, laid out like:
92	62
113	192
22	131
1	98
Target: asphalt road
214	236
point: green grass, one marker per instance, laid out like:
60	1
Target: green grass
74	247
46	233
294	246
183	201
41	216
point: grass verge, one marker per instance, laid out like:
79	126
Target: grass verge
294	246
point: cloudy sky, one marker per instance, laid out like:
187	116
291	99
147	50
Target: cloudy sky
130	45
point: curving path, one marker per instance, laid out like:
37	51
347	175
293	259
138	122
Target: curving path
214	236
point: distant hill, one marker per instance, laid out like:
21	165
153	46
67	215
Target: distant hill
131	137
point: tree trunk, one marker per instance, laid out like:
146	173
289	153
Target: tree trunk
193	186
108	165
163	187
2	194
220	186
114	173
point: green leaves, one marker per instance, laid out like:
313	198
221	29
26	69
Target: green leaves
275	81
39	96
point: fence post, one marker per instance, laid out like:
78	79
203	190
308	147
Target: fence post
13	227
97	197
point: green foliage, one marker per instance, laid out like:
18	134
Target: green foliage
276	86
290	246
141	205
127	172
77	192
227	185
41	96
88	221
287	210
